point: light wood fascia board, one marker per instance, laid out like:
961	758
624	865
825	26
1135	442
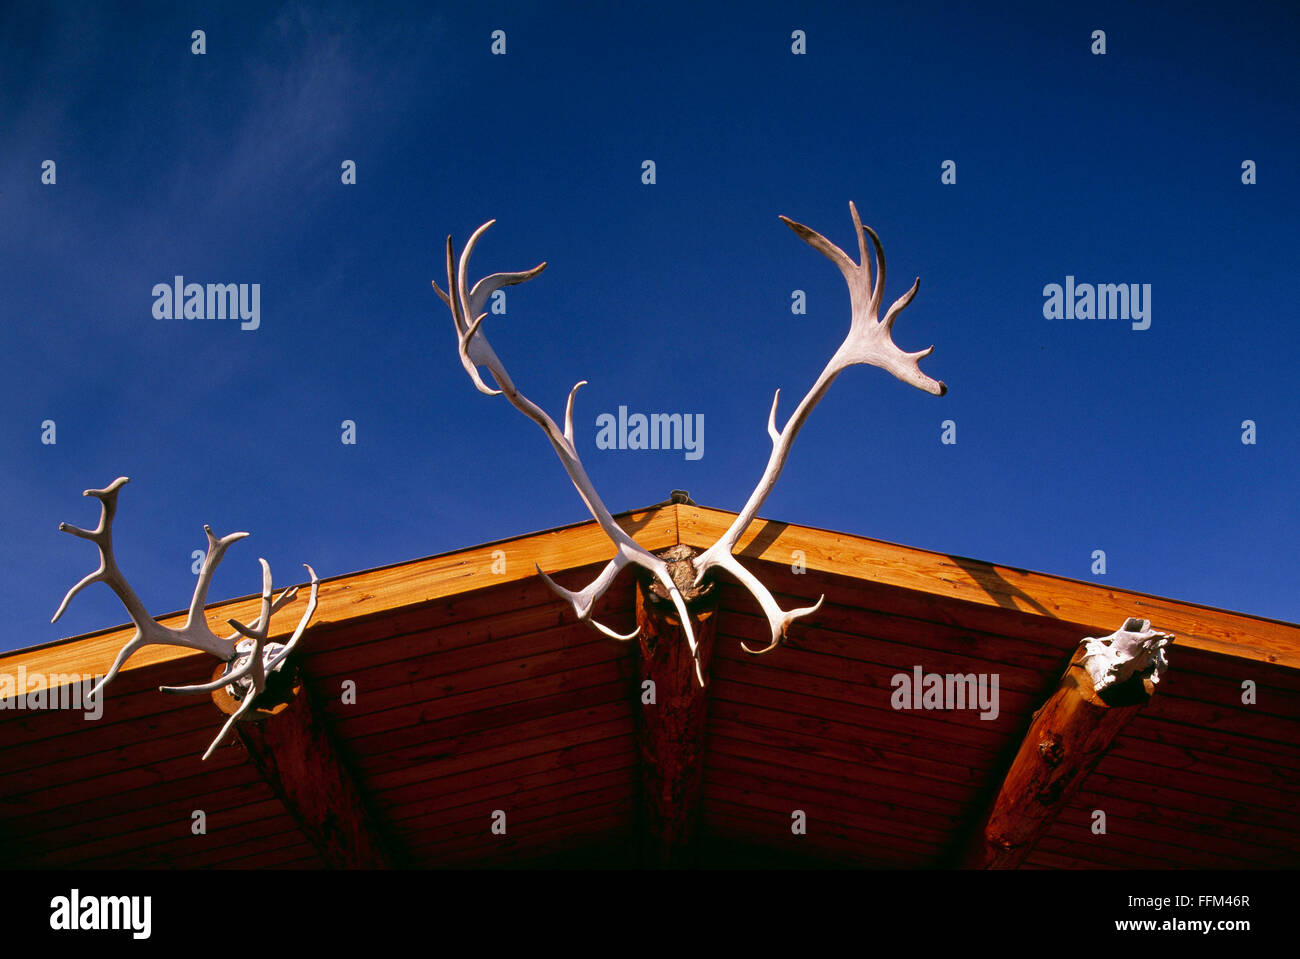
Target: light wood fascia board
364	593
1100	608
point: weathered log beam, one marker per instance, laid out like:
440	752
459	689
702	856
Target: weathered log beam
672	710
296	756
1107	682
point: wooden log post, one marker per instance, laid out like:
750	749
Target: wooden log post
1067	737
671	710
295	755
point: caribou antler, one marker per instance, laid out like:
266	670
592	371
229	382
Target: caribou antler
243	657
868	341
475	351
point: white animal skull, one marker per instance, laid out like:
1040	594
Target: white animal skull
1133	649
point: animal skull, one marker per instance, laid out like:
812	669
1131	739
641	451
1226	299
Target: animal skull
1133	649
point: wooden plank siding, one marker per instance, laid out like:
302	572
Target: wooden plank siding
478	691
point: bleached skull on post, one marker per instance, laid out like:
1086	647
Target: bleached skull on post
868	341
1135	649
249	661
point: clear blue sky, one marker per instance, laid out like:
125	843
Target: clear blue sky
1073	435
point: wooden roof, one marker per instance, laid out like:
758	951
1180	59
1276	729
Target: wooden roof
477	690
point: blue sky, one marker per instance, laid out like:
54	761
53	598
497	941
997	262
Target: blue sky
1072	435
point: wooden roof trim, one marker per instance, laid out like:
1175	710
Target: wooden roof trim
366	593
940	575
943	576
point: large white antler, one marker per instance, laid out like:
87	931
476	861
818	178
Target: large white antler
475	351
244	657
868	341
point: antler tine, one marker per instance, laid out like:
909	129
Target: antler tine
123	654
476	350
233	718
583	600
864	260
778	620
254	661
679	603
868	341
148	631
896	308
102	537
302	621
464	329
258	633
240	671
878	290
568	410
250	696
216	549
